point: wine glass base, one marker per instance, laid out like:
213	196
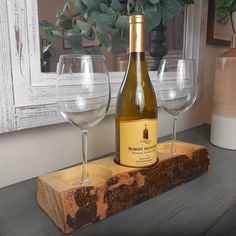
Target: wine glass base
84	182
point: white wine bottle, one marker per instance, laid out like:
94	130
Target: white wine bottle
136	108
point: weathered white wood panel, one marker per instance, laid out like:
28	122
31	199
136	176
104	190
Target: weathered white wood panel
33	39
19	46
23	107
7	111
34	116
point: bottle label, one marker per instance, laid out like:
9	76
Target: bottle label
138	142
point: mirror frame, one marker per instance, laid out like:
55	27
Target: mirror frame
21	106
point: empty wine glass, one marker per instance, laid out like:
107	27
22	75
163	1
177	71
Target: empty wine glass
176	89
83	96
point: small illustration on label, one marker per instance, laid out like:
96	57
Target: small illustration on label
145	136
145	132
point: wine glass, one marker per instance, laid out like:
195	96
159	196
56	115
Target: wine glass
176	89
83	96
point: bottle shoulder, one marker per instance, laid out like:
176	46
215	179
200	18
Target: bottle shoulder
136	98
133	83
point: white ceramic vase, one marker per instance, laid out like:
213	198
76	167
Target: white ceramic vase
223	123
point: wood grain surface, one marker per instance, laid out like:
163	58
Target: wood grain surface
204	206
116	188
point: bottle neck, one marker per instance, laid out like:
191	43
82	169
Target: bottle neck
136	37
137	63
136	47
136	58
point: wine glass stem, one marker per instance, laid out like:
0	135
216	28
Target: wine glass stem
85	174
173	144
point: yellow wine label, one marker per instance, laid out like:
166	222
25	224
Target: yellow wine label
138	142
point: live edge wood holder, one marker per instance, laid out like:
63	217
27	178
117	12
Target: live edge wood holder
116	187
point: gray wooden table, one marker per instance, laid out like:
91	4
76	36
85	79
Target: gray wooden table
204	206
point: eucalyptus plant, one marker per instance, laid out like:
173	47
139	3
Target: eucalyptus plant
226	8
107	20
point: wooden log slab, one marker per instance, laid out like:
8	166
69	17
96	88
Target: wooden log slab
116	187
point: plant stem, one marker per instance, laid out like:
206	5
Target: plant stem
74	15
231	20
118	12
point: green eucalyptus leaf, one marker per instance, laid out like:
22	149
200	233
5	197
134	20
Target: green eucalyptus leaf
186	2
154	1
56	34
219	3
225	7
93	14
115	5
90	35
138	10
110	12
82	27
103	7
152	17
230	3
234	6
84	30
105	19
150	24
110	17
74	42
128	8
80	6
170	8
46	24
223	3
120	38
93	3
223	11
65	22
122	22
105	24
226	3
105	40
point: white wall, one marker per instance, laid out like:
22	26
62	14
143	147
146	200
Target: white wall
29	153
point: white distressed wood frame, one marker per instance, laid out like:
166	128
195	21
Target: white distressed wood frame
22	107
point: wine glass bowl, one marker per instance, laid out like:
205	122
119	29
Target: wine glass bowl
176	89
83	95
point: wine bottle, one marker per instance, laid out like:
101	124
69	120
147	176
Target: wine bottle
136	108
